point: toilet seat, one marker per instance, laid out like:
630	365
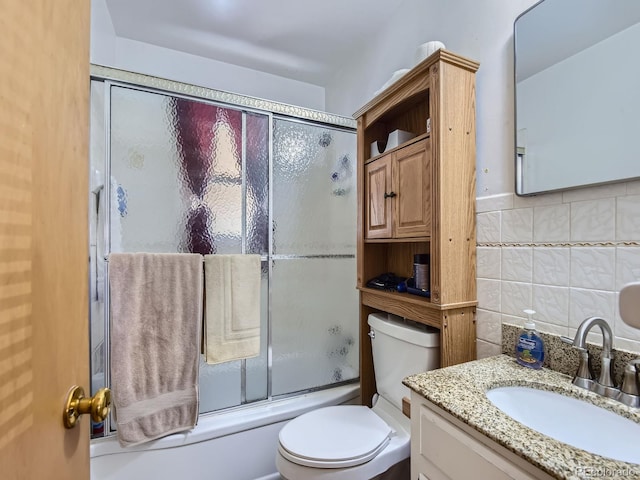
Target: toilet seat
334	437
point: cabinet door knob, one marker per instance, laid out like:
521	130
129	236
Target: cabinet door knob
389	195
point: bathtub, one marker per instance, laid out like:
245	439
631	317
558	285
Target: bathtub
235	445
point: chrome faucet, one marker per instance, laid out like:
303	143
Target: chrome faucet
584	376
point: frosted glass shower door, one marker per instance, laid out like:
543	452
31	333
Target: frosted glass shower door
176	174
192	176
314	307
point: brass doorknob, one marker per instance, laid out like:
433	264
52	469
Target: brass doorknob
77	404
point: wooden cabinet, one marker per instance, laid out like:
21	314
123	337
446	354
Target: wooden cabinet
398	193
439	442
419	197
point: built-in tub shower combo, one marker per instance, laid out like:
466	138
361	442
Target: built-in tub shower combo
182	169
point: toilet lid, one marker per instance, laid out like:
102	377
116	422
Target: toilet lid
334	437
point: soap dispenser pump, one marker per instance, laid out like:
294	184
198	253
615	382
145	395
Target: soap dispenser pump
530	347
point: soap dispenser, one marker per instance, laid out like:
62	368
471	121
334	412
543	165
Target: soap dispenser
530	347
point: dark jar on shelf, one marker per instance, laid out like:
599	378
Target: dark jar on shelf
421	271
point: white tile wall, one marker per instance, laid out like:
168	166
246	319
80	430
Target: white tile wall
488	227
517	264
489	326
551	304
593	220
551	223
487	349
502	201
586	246
489	294
627	266
593	193
633	188
628	218
585	303
516	297
551	266
517	225
535	201
488	263
593	267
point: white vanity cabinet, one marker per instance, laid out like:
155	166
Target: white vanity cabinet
442	448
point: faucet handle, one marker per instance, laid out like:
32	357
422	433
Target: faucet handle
631	380
568	340
584	375
604	385
630	390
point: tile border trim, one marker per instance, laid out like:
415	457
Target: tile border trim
560	244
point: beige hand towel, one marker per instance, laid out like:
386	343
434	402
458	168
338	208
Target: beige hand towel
232	307
156	314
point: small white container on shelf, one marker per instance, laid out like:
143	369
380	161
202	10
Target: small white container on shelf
398	137
377	148
395	138
397	75
427	49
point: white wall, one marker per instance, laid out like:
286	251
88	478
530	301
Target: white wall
566	255
482	31
109	50
102	33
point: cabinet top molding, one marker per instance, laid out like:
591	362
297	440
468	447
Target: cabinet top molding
415	73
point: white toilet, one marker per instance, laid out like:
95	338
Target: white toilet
354	442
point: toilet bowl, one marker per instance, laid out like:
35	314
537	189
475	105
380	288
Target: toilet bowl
366	457
352	442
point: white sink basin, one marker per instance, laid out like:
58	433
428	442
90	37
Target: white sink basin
571	421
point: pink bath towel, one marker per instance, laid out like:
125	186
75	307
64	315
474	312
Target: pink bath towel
156	315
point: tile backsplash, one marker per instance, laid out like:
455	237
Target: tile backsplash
566	255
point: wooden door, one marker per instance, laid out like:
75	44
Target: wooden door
412	184
44	105
378	189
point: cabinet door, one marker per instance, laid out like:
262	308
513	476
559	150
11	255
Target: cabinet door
440	444
377	190
412	184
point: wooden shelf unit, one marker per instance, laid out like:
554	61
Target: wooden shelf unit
441	88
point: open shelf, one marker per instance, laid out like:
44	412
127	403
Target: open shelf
397	240
399	147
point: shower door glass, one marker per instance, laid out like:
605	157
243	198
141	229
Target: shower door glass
190	176
314	304
175	174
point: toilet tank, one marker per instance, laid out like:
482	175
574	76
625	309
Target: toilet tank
400	348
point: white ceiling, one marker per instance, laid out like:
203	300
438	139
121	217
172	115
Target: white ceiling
300	39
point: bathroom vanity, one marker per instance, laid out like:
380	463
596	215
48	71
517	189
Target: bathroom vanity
417	197
452	418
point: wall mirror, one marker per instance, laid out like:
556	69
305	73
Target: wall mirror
577	94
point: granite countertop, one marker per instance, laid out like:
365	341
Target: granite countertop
460	391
